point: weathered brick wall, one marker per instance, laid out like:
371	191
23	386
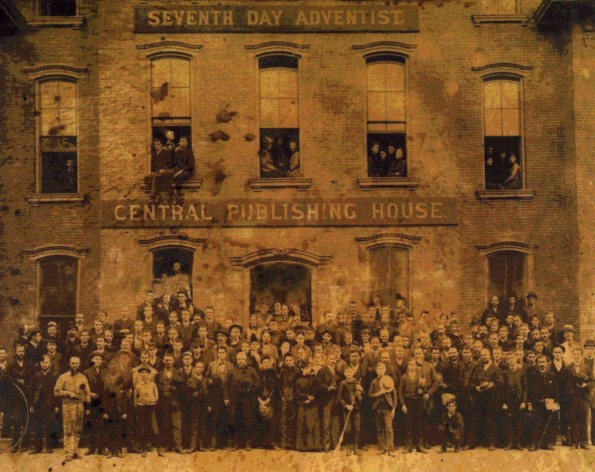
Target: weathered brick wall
25	226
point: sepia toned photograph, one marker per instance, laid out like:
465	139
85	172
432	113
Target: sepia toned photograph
297	235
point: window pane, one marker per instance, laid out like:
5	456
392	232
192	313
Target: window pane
493	123
160	72
395	106
492	95
506	274
67	95
57	286
50	121
389	269
510	94
397	127
269	113
180	102
376	106
288	114
288	84
395	77
507	7
269	83
376	77
49	94
180	73
68	122
162	108
510	123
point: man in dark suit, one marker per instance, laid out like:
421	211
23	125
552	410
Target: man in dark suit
487	380
183	165
581	376
44	406
543	397
20	371
95	424
68	178
244	385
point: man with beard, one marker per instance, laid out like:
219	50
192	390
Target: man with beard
486	380
514	403
492	310
244	385
73	388
168	408
543	395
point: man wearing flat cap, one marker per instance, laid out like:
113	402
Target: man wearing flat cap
531	308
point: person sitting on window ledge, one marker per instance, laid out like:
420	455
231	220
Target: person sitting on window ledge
491	175
398	166
267	167
513	181
280	156
163	164
502	169
294	159
184	165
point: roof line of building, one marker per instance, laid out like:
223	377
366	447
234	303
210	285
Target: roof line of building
547	5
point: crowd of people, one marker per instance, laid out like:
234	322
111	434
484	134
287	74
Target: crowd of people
389	162
502	172
279	157
184	380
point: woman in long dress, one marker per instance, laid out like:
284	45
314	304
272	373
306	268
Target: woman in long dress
287	380
308	416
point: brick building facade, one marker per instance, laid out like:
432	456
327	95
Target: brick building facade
459	77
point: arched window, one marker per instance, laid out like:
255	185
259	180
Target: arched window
389	272
170	104
386	116
58	136
504	166
507	273
279	116
58	289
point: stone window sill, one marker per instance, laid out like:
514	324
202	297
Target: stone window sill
300	184
38	199
76	22
478	20
192	185
524	195
388	182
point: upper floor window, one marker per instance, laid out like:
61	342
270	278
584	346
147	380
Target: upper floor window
171	116
58	136
389	272
57	7
386	116
279	116
502	133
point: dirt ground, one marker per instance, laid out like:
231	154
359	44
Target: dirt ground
562	459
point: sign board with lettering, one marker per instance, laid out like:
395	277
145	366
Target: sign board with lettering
277	19
421	211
